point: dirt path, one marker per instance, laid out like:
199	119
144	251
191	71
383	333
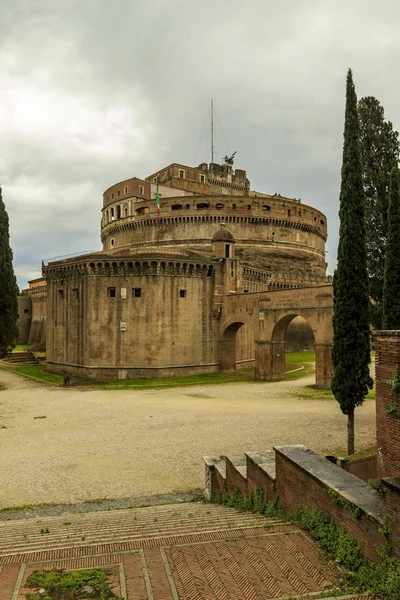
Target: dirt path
96	444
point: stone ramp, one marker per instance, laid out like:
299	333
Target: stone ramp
181	551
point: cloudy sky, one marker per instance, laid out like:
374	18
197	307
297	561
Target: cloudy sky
93	92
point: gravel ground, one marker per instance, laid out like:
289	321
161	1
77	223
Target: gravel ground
133	444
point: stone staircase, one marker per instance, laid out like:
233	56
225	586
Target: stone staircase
182	551
21	358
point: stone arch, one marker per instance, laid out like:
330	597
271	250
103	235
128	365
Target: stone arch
227	342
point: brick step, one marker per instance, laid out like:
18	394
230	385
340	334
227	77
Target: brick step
99	528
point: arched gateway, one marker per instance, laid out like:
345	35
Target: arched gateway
269	314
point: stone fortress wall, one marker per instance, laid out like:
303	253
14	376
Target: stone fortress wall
149	303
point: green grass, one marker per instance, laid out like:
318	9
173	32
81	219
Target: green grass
66	584
38	372
20	348
294	360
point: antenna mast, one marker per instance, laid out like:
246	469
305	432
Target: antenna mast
212	132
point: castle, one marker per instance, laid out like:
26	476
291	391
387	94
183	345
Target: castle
177	247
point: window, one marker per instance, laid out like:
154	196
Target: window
176	207
119	193
245	291
249	207
60	294
266	207
111	292
26	311
202	179
219	206
187	206
112	196
75	293
136	292
141	190
154	179
227	250
125	189
234	206
182	293
126	212
288	212
202	205
112	242
181	174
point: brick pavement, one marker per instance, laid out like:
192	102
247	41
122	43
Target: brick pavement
171	552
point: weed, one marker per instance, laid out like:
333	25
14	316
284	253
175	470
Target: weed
45	530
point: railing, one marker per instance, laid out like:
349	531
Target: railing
46	261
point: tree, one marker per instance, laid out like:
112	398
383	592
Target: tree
380	150
391	287
8	287
351	335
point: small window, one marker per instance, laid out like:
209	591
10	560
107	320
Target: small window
181	174
234	206
75	293
187	206
112	196
136	292
126	212
266	207
299	213
288	212
26	311
322	222
141	190
112	242
119	193
219	206
249	207
125	190
154	179
111	292
176	207
202	179
182	293
202	205
246	291
60	294
227	250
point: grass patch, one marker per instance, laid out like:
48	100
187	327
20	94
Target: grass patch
64	585
311	392
38	372
20	348
294	360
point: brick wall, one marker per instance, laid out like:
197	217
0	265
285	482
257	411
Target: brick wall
296	487
387	360
392	505
363	468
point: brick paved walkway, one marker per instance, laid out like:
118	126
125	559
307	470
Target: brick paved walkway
181	551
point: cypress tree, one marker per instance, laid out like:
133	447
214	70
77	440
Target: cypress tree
8	287
391	287
351	335
380	150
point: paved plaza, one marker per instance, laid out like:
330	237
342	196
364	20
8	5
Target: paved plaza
175	552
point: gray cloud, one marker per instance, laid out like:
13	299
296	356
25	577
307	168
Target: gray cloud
94	92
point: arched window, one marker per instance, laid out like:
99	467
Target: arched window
118	212
176	207
202	205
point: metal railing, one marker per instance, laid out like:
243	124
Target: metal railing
46	261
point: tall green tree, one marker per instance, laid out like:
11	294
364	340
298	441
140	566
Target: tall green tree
8	287
351	335
391	287
380	150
